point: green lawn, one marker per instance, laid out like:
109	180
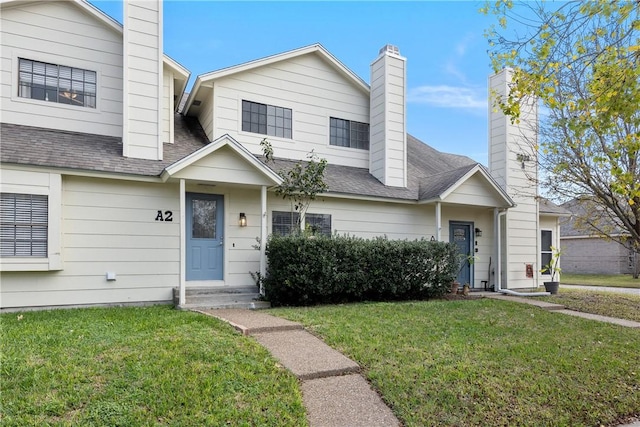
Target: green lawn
614	280
623	306
138	367
486	362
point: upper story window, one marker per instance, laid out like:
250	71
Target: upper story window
57	83
23	225
266	119
347	133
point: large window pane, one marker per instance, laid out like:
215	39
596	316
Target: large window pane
204	219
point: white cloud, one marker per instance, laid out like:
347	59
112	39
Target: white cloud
448	97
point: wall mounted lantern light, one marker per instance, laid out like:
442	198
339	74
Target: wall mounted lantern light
478	232
243	220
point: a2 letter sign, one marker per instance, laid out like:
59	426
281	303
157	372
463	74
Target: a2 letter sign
166	216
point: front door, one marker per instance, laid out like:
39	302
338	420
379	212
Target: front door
205	227
460	234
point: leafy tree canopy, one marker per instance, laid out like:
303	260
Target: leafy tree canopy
581	59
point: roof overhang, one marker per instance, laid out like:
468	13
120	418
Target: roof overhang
223	141
482	172
205	80
180	76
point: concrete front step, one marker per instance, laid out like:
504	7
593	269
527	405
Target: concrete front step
214	306
221	297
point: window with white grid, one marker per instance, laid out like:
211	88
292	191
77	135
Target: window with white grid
56	83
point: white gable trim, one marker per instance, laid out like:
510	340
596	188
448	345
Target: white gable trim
83	4
223	141
478	169
314	48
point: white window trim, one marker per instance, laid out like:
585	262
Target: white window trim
53	261
52	59
328	118
540	251
268	101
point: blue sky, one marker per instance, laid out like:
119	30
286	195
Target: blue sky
447	63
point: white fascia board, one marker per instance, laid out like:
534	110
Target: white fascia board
224	140
314	48
478	169
192	95
553	214
83	4
181	74
97	13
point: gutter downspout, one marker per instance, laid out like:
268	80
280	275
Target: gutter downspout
263	235
498	229
183	250
438	221
499	264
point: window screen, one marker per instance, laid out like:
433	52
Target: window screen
23	225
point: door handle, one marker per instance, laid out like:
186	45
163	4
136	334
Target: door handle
221	240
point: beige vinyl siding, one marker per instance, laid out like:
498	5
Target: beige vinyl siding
167	106
311	88
475	191
205	113
506	142
388	131
60	33
107	226
143	83
481	218
23	181
224	165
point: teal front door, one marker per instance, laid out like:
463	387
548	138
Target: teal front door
460	234
204	241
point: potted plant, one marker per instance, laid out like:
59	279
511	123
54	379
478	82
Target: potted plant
464	259
553	269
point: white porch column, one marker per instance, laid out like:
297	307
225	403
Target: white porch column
438	221
183	240
263	234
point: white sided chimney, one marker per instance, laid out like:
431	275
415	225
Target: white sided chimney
388	129
142	62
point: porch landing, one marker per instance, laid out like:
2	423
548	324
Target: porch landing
214	297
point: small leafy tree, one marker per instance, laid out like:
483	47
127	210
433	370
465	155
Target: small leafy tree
301	183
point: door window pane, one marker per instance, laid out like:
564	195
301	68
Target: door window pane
204	219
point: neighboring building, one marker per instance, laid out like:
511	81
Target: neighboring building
110	195
587	252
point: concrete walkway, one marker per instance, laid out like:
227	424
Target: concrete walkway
631	291
559	308
333	391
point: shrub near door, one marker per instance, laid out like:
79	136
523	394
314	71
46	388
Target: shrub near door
308	270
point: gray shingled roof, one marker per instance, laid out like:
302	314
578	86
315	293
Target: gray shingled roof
430	171
28	145
546	206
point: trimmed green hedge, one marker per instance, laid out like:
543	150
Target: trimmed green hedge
308	270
